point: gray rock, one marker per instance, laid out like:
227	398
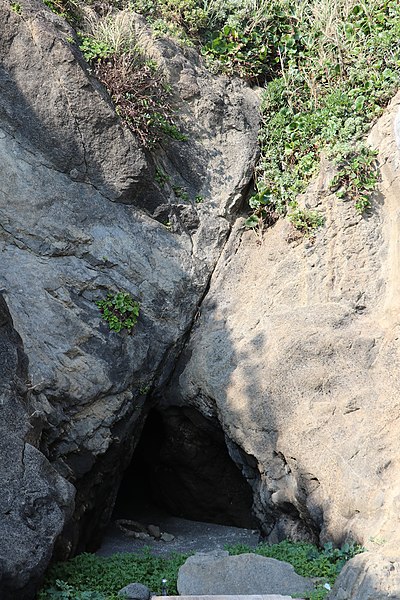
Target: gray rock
154	531
35	502
209	574
167	537
135	591
77	197
72	130
369	577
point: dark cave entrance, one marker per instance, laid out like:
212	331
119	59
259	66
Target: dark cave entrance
182	467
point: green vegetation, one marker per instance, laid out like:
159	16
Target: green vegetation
120	311
180	193
103	577
91	573
305	221
136	86
337	70
16	7
70	10
357	176
95	50
328	69
161	177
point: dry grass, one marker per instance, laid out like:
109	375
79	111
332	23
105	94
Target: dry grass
116	30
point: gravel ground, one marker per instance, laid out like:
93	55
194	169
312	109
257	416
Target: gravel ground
190	536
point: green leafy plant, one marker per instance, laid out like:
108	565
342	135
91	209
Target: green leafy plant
64	591
264	208
237	52
94	50
167	126
16	7
181	193
144	389
304	220
120	311
70	10
107	575
161	177
357	176
334	72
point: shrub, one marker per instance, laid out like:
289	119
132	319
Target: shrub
305	221
120	311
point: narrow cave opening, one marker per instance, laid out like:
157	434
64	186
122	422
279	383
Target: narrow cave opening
182	467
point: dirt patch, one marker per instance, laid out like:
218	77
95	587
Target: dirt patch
189	536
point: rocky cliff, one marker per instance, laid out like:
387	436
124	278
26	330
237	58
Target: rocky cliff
289	346
296	353
78	219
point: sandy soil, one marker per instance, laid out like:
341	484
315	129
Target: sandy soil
189	536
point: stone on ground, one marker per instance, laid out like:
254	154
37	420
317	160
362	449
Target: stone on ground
216	573
135	591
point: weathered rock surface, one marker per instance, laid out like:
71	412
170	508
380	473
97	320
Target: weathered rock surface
296	353
34	500
135	591
217	573
77	196
369	577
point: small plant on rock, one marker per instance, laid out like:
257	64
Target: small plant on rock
94	50
304	220
120	311
264	208
357	176
16	7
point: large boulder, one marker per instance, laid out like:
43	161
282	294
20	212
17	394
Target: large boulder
296	354
369	576
35	501
217	573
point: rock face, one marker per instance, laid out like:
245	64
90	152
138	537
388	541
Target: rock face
35	501
217	573
296	353
368	577
78	210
